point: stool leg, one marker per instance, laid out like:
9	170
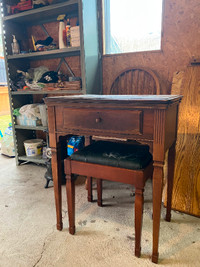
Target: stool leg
99	192
70	188
171	160
89	187
139	200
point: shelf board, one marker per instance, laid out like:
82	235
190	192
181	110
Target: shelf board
55	53
36	128
42	92
44	14
37	159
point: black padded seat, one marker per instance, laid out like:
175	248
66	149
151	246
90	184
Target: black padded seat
127	156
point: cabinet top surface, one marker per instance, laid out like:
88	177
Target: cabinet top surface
139	99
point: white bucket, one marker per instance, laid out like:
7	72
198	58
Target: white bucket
33	147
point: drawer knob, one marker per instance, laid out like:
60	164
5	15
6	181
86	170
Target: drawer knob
98	120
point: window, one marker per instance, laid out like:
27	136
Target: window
132	25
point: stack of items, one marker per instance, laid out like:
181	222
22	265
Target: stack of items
31	115
75	36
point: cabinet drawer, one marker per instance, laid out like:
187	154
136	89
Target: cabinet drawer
102	121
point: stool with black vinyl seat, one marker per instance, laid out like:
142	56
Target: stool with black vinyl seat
118	162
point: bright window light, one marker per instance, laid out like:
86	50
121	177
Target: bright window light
132	25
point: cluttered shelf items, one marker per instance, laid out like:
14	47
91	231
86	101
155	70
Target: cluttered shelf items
67	36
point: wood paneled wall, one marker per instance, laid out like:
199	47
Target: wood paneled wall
4	101
186	191
180	42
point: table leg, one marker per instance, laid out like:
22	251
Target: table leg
171	163
70	188
88	141
89	188
99	192
139	201
56	173
157	199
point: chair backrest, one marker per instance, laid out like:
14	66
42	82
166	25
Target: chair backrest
135	81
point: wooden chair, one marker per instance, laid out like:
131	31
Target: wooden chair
118	162
135	81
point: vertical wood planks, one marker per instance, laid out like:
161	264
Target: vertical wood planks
186	193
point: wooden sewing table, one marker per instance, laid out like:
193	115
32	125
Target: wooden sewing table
149	119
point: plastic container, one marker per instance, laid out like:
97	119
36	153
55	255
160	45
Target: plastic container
15	46
33	147
70	145
62	32
43	113
68	33
75	143
79	143
7	144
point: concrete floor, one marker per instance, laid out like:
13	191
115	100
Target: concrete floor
105	236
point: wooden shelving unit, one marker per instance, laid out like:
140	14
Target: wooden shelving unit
43	92
87	57
38	128
57	53
46	13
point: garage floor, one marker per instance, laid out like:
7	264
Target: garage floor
105	236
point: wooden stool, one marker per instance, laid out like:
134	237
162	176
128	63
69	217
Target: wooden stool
118	162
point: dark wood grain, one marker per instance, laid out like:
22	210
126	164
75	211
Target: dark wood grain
157	112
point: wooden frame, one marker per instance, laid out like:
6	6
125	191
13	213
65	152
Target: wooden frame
135	80
116	174
159	132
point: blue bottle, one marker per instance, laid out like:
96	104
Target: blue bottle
70	145
75	143
79	143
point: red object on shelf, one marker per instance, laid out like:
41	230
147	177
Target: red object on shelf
21	6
